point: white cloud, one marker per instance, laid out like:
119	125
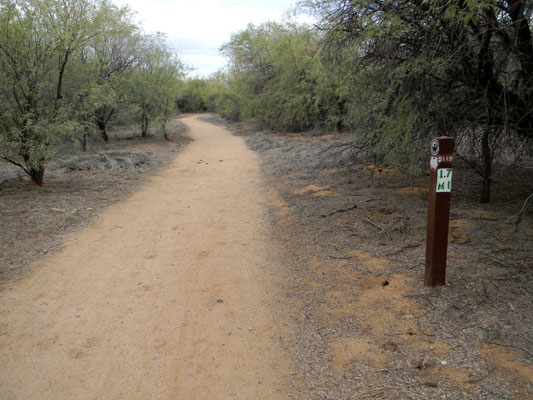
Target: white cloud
203	64
197	29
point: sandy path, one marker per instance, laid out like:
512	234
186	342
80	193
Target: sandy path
168	295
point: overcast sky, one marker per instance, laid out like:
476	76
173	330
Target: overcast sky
197	28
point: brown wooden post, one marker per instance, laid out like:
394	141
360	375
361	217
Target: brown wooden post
440	185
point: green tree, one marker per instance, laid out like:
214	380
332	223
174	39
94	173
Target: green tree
419	68
113	55
278	78
37	41
222	98
153	85
192	95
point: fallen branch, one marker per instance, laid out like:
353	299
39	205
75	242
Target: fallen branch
422	330
522	212
371	221
511	345
341	210
340	257
475	380
409	246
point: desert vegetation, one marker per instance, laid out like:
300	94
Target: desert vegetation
68	69
394	73
340	116
365	325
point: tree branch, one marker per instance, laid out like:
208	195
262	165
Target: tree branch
17	164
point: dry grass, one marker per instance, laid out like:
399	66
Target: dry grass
365	326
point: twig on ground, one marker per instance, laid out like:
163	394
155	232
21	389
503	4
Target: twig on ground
409	246
340	257
340	210
374	223
475	380
422	330
483	219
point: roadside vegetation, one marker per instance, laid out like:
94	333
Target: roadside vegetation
69	69
393	73
364	325
341	115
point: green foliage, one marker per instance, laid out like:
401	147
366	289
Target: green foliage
395	73
421	69
110	59
67	68
193	96
277	79
153	85
37	39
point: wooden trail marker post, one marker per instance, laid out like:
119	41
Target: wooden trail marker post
440	186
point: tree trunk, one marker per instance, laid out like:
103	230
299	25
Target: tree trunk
37	175
144	125
59	93
102	127
487	167
84	140
165	130
342	111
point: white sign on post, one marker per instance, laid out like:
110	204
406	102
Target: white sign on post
444	180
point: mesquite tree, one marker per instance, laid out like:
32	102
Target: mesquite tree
37	41
115	54
66	70
420	68
153	85
278	78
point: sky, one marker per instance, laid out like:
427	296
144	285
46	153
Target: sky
197	28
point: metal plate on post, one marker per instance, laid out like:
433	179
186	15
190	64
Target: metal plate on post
434	147
444	180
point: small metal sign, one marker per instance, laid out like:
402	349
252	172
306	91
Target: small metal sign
444	180
434	147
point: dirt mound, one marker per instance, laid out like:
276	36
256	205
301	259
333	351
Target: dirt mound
110	160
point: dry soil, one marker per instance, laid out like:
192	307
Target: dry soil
303	280
168	294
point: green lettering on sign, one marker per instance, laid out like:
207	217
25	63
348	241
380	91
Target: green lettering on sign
444	180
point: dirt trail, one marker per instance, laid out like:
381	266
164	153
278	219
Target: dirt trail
168	295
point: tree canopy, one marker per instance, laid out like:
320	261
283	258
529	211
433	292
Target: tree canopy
395	73
460	68
66	69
